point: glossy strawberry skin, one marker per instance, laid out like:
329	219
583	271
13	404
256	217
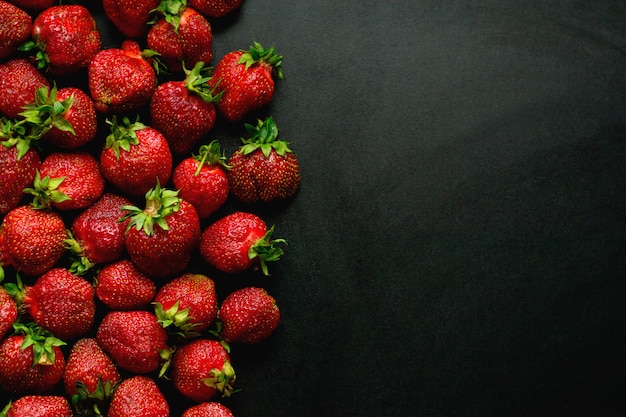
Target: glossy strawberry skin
121	286
81	115
208	409
15	28
40	406
248	315
138	396
215	8
8	313
16	174
19	79
89	364
129	16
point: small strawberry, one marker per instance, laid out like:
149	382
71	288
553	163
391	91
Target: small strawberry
202	179
138	396
215	8
121	79
188	303
130	17
38	406
15	27
18	172
135	340
121	286
248	315
201	369
8	312
19	81
239	241
183	110
160	238
263	168
135	157
81	116
246	79
208	409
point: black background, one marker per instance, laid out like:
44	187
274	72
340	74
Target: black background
457	247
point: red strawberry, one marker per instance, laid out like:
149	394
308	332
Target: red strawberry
263	168
31	240
183	110
238	242
248	315
135	340
130	16
8	312
81	116
202	179
208	409
66	38
201	369
18	172
121	79
215	8
19	80
182	36
160	237
247	80
15	28
188	303
121	286
135	157
38	406
138	396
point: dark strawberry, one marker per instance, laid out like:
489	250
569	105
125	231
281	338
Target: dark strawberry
202	179
121	79
239	241
130	17
38	406
246	79
121	286
208	409
138	396
15	28
19	81
160	238
18	172
8	312
201	369
135	340
248	315
81	116
183	110
215	8
135	157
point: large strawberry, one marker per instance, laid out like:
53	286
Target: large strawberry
19	81
208	409
246	79
15	28
263	168
130	17
18	172
239	241
121	286
38	406
138	396
248	315
184	111
135	157
160	237
202	179
215	8
201	369
80	115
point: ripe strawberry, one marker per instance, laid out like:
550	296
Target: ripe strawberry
121	286
215	8
188	303
31	240
66	38
246	79
183	110
208	409
130	17
238	242
18	172
201	369
19	80
15	28
248	315
263	168
160	238
138	396
38	406
182	36
202	179
8	312
121	79
135	157
135	340
81	116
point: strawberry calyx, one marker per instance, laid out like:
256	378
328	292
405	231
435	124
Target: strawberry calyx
265	251
124	135
41	341
210	154
46	191
264	136
222	379
80	262
160	203
196	82
257	54
177	318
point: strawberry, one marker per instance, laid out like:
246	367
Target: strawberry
15	27
183	110
81	116
135	340
66	38
135	157
208	409
239	241
8	312
121	79
202	179
19	80
246	79
138	396
31	361
160	238
31	240
38	406
215	8
130	17
263	168
18	172
248	315
182	36
188	303
121	286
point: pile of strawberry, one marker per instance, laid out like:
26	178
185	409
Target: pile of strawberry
109	193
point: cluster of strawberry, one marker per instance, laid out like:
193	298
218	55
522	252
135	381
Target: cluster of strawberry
98	300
